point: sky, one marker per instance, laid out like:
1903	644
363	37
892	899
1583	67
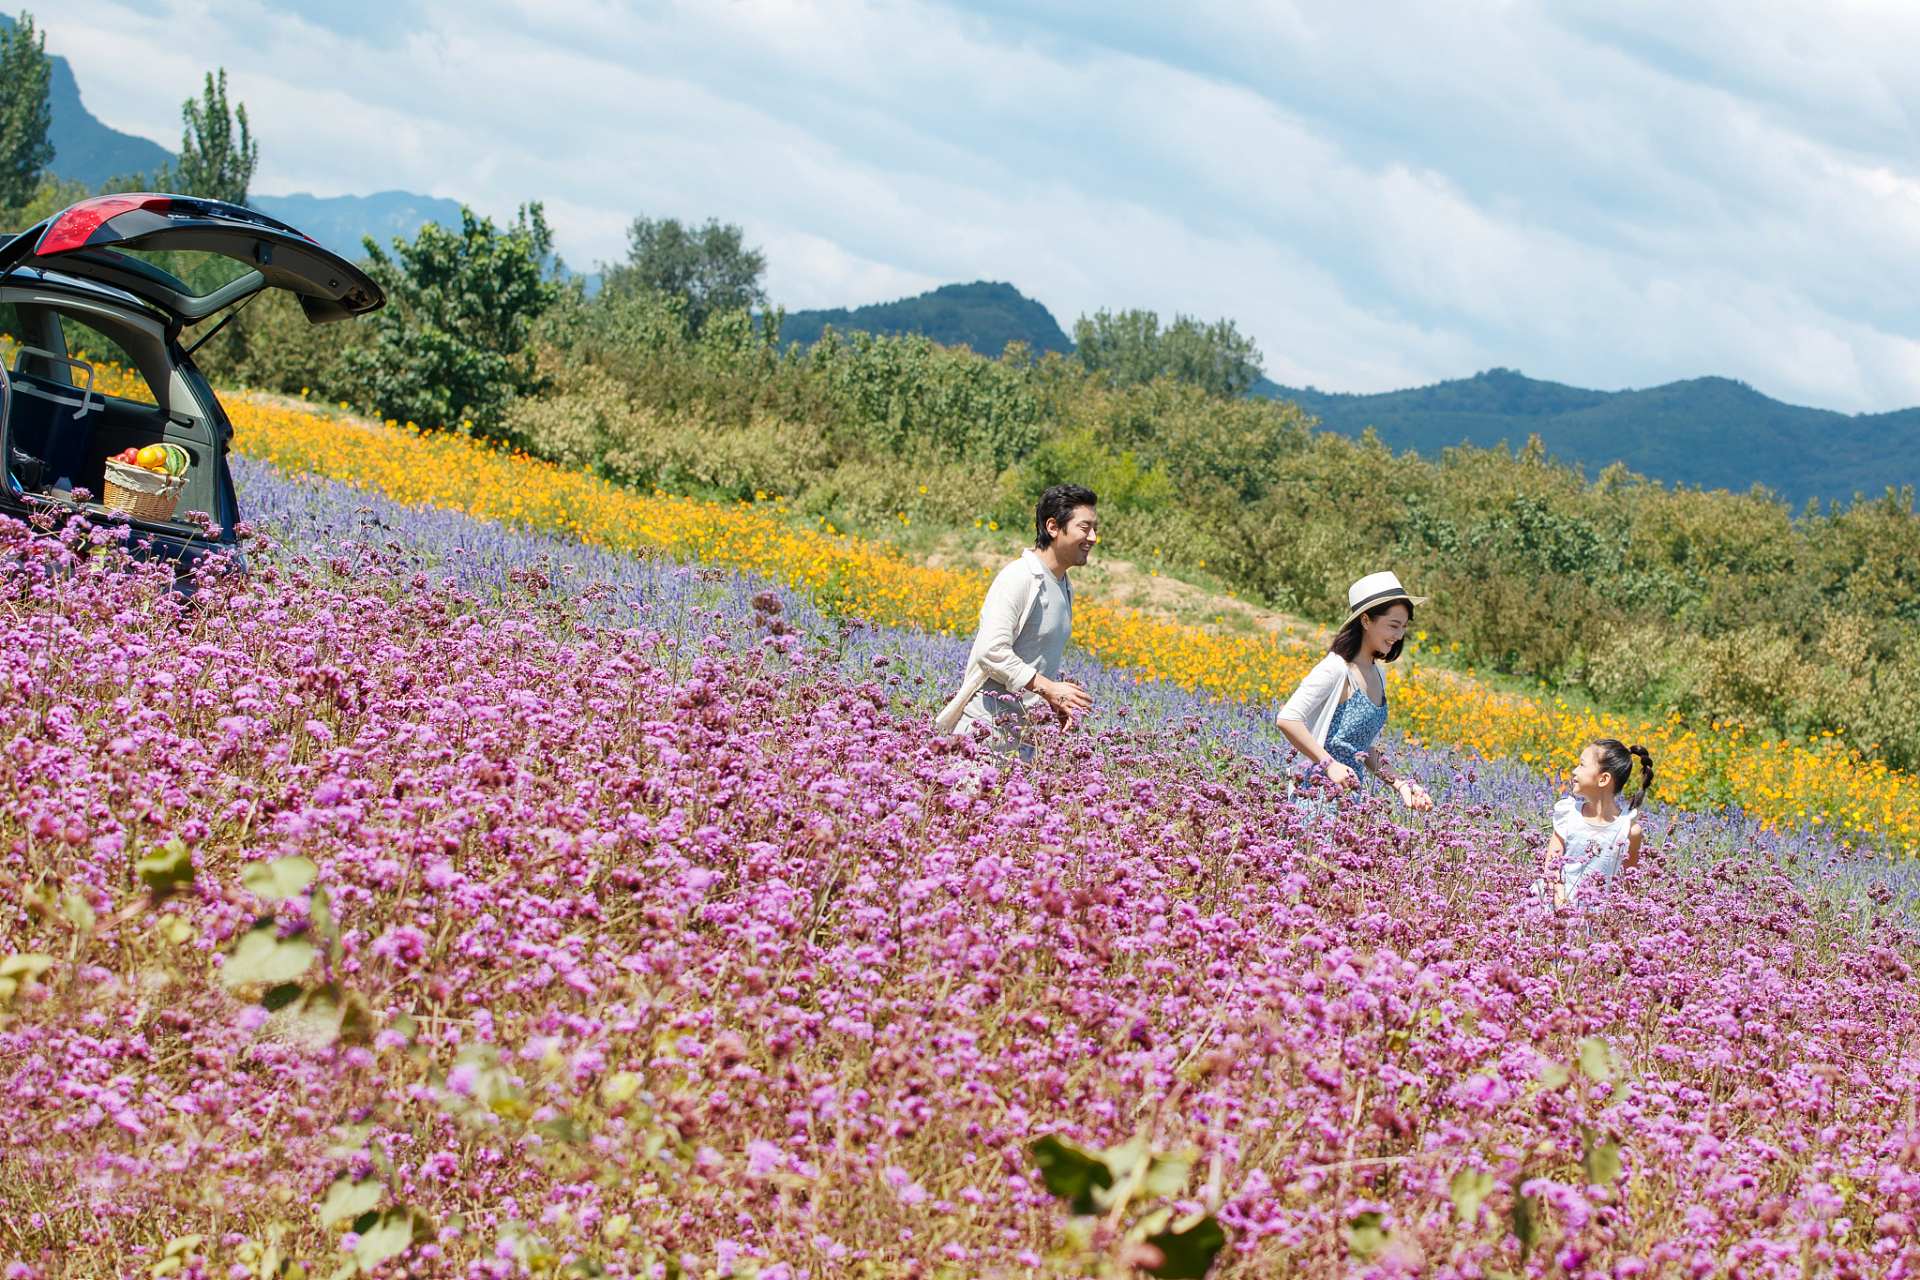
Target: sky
1382	193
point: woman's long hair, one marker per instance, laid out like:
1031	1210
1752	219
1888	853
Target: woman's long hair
1347	640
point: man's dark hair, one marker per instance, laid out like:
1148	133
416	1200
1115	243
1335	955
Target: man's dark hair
1057	504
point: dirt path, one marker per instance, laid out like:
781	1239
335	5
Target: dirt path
1124	584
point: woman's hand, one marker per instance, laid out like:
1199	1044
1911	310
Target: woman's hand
1341	776
1413	795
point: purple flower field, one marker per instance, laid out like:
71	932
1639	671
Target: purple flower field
434	900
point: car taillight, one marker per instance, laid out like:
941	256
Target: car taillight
73	228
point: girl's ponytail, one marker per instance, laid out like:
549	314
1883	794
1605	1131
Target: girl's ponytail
1616	760
1646	772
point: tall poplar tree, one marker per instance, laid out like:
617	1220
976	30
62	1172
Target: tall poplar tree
26	112
217	152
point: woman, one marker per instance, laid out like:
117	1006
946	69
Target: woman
1338	711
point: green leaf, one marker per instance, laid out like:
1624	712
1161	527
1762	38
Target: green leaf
78	911
1596	1060
561	1129
1600	1159
582	1269
1526	1223
1120	1160
167	871
1167	1176
28	966
1365	1236
1071	1171
1190	1251
320	914
1553	1075
349	1199
1470	1187
281	996
396	1230
259	956
280	879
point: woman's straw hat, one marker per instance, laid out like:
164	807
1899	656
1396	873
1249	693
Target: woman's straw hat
1375	590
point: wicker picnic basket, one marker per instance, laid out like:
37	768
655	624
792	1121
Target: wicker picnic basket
142	494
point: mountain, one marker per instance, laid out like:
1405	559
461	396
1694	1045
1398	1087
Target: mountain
1715	433
980	315
339	222
84	149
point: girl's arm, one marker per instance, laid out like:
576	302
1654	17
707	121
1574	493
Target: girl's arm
1556	855
1412	794
1326	680
1634	836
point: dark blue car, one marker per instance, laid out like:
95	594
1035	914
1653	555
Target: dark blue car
143	278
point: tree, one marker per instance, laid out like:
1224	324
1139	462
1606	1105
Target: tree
449	349
1130	349
218	155
26	112
707	266
214	164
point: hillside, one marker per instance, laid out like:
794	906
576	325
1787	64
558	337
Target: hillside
981	315
85	150
1711	432
340	222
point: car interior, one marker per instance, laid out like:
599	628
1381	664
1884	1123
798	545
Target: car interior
62	424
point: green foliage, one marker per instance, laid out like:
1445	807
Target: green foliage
1130	349
50	197
896	393
26	113
1130	1184
272	346
709	268
449	348
218	155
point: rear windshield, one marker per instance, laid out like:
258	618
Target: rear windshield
193	272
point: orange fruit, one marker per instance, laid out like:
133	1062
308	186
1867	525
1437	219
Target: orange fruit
153	458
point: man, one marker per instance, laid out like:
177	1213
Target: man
1025	624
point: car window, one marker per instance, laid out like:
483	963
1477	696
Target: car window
114	373
193	272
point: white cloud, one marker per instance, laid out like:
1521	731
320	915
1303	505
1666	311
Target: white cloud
1606	193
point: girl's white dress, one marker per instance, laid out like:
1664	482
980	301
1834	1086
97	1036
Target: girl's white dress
1593	852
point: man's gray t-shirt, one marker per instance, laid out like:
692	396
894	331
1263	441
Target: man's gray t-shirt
1042	642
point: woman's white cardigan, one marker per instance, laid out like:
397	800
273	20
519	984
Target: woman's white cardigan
1319	695
1002	615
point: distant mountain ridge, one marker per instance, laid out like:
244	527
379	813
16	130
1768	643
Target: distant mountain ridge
984	316
86	150
341	222
1714	433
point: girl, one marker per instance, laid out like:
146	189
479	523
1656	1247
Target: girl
1594	836
1341	706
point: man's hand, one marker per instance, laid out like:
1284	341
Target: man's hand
1068	700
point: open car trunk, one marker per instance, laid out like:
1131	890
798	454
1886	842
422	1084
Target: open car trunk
193	258
68	413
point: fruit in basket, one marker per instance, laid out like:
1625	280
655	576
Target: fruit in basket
153	458
130	456
177	459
